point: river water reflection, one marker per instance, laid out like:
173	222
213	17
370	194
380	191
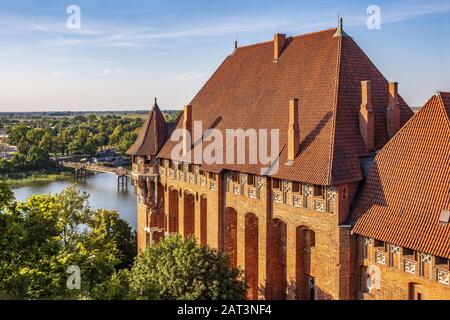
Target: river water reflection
103	192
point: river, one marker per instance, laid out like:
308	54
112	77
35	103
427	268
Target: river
103	192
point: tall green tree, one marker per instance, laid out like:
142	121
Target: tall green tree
183	269
38	158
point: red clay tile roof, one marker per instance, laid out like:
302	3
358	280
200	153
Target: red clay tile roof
151	136
409	184
249	90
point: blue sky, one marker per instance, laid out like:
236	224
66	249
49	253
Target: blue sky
128	52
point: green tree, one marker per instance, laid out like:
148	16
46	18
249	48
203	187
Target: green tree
126	142
19	162
38	158
43	236
107	226
6	196
117	135
16	133
48	143
180	269
34	136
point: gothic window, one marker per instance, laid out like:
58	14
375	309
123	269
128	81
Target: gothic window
295	187
276	184
442	262
409	253
251	180
379	244
318	191
235	176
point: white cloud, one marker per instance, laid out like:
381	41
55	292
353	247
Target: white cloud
57	74
108	72
110	34
188	76
105	73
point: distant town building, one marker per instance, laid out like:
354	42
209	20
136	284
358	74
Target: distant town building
4	138
357	209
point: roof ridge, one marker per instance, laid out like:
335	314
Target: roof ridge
443	106
408	123
336	98
289	37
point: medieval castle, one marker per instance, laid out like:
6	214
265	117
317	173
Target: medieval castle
359	207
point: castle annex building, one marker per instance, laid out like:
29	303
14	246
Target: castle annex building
359	207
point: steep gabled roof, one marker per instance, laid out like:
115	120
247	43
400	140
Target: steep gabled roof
250	90
409	184
151	136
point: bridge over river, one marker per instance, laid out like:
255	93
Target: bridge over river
82	171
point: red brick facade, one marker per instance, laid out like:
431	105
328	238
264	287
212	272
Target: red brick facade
291	233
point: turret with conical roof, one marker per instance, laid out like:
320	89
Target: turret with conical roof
145	175
152	135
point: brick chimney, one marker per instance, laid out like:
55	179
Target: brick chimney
187	129
393	110
366	119
279	41
293	130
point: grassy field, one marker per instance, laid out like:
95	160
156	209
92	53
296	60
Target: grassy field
35	178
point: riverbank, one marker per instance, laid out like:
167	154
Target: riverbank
34	178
